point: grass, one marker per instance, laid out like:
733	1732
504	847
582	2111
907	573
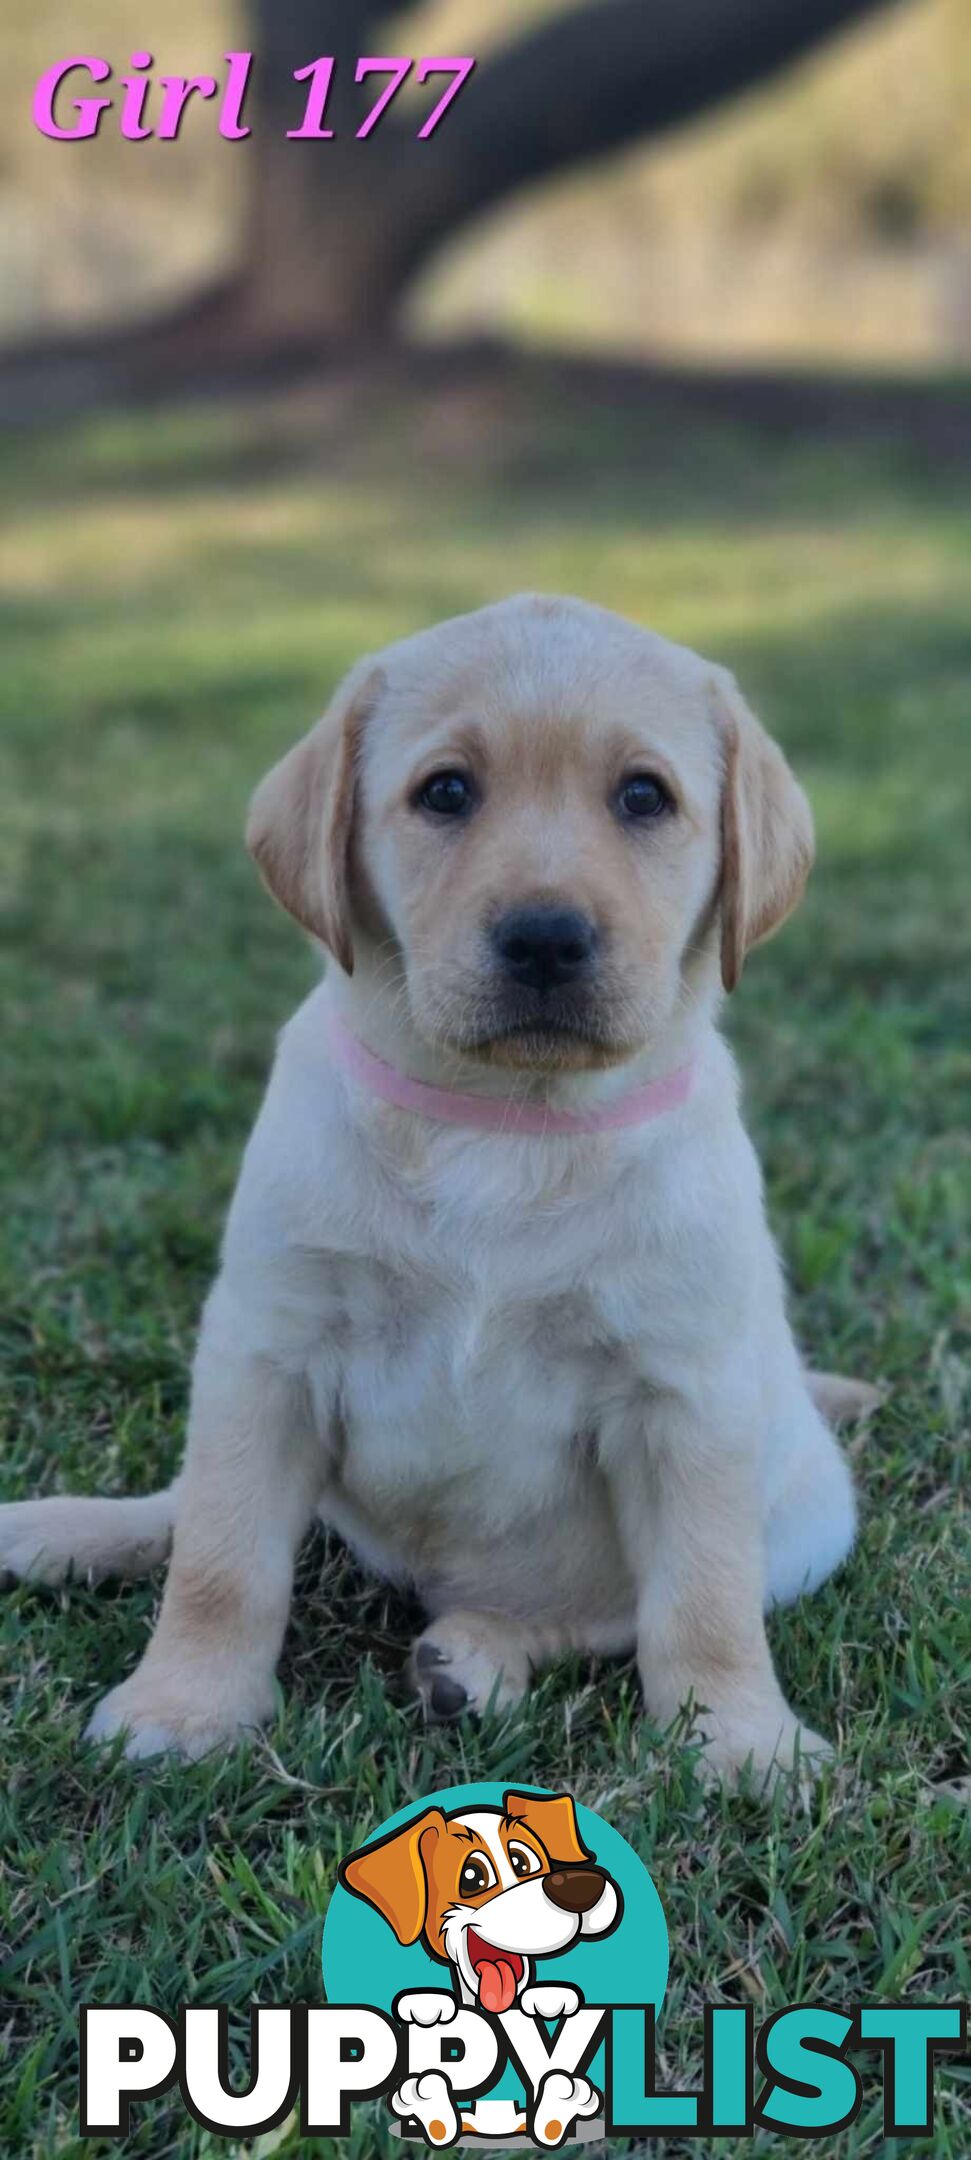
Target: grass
183	588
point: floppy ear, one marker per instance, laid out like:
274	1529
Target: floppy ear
390	1875
553	1821
301	817
767	833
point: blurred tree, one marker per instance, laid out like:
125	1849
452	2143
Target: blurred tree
334	231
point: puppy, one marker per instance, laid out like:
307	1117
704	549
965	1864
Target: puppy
487	1891
498	1299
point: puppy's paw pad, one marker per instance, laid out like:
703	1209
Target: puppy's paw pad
561	2101
447	1697
464	1665
428	2098
437	1681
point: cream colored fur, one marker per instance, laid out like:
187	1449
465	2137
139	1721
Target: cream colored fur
550	1382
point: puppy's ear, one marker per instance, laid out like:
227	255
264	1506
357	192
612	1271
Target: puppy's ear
767	832
302	815
390	1875
553	1821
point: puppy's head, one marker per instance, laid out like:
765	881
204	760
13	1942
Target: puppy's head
488	1890
558	821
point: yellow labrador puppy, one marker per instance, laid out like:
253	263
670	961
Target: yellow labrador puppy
497	1298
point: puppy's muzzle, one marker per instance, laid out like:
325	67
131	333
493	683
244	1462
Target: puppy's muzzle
545	947
574	1889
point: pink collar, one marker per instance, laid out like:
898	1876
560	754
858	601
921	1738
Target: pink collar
502	1113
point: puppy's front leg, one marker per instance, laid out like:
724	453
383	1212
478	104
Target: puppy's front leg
246	1496
689	1513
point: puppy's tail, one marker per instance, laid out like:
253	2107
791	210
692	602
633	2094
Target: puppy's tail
47	1540
841	1401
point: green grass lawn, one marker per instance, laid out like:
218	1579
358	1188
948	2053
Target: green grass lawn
182	591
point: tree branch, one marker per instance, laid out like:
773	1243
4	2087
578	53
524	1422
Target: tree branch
334	233
599	76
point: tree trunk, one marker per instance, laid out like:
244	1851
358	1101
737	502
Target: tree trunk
320	244
334	230
337	229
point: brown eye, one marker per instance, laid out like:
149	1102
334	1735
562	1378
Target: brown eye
476	1876
644	796
524	1861
448	794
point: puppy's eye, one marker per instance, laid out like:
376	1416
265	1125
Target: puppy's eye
449	794
643	795
477	1875
524	1861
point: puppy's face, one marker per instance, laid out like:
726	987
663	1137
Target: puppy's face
540	829
489	1891
536	818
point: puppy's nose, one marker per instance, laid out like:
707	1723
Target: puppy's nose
574	1889
543	947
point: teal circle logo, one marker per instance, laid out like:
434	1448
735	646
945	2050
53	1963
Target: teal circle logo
488	1891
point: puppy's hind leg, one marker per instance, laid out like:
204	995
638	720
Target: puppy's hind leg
45	1541
810	1519
810	1515
465	1660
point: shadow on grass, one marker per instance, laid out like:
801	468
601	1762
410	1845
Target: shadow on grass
737	441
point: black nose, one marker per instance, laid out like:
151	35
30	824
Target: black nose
574	1889
545	946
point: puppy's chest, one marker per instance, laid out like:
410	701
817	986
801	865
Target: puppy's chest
433	1380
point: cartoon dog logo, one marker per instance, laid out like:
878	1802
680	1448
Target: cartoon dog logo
489	1891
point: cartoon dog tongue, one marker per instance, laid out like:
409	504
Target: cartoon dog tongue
497	1985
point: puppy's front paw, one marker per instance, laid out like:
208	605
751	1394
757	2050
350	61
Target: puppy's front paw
562	2101
160	1717
429	2099
763	1752
426	2006
550	1999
